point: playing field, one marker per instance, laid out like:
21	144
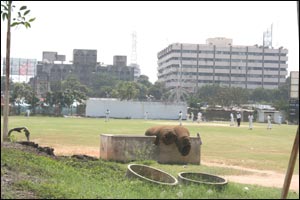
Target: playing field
258	148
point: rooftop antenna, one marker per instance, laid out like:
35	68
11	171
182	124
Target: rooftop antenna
267	37
133	48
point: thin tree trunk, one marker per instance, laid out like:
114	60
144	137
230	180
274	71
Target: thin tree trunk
6	93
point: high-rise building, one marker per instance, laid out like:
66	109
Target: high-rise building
190	66
50	73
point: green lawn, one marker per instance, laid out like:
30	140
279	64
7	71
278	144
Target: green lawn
31	176
258	148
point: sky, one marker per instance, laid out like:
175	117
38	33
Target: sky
107	27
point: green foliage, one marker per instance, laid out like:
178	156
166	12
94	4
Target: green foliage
127	90
103	85
230	96
221	143
144	80
69	91
158	90
35	176
7	11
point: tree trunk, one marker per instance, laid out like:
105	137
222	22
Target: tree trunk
6	93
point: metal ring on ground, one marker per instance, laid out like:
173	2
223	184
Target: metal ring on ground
150	174
201	178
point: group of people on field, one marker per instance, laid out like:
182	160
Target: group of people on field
191	117
199	118
250	119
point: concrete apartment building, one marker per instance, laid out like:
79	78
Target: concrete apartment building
191	66
83	67
119	69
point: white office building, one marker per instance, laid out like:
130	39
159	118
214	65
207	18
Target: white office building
191	66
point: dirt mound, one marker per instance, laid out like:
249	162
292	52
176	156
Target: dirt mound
29	147
35	148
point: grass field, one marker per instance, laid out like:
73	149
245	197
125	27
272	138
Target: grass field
27	175
258	148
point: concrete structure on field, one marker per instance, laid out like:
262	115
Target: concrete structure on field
126	148
96	107
190	66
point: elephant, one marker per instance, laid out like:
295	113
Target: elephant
164	133
172	134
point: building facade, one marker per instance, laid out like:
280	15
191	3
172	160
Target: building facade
191	66
50	73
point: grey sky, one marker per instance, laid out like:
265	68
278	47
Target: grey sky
107	27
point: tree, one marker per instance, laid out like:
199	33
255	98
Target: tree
71	90
20	19
102	85
280	96
18	94
127	90
157	90
260	95
238	96
144	80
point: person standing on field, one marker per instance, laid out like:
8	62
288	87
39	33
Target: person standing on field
238	118
199	117
250	117
279	119
192	117
146	115
231	119
180	118
107	115
269	118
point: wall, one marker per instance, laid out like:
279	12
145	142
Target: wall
134	109
126	148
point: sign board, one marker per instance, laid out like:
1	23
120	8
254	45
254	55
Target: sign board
21	66
49	56
60	58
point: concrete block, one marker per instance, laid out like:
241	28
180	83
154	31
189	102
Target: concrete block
126	148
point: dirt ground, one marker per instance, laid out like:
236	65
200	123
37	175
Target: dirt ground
258	177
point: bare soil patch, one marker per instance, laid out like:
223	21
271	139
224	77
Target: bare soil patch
259	177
